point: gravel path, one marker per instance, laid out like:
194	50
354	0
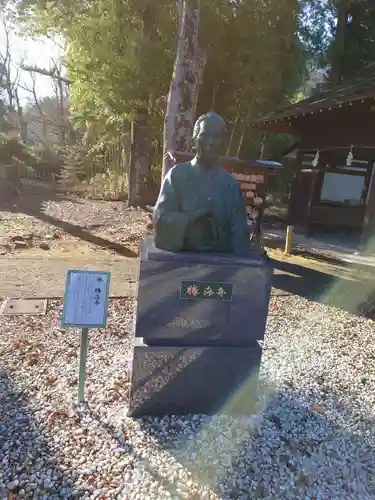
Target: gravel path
313	439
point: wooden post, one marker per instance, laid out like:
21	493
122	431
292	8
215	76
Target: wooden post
369	219
314	174
289	240
293	208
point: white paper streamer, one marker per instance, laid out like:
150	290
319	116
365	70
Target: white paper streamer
316	160
350	157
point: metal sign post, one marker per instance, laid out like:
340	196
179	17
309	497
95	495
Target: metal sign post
85	306
82	363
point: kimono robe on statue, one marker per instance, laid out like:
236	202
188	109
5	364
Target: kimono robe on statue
187	188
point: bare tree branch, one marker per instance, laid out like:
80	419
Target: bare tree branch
10	84
5	61
43	115
58	125
58	44
10	76
53	73
39	139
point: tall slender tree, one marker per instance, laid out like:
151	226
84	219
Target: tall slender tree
187	74
338	46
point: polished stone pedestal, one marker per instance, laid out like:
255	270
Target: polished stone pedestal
198	322
180	380
230	307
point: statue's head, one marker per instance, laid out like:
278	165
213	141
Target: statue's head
208	137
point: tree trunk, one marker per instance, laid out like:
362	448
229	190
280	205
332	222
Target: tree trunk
139	170
339	42
234	129
200	65
62	120
187	75
139	161
245	127
22	124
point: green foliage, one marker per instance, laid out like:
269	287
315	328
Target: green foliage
121	53
359	41
109	184
13	151
114	68
318	31
4	124
256	61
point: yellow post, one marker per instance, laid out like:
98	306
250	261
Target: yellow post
289	240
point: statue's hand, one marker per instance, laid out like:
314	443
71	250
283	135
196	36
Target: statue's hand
202	212
198	214
209	209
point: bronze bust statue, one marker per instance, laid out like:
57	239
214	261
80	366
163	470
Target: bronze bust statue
200	206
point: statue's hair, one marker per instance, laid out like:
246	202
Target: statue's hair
204	117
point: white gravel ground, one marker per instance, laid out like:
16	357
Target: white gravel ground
314	438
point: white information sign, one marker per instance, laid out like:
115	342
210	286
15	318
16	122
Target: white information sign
86	299
342	187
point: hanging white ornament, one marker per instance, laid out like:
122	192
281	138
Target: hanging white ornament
315	161
350	157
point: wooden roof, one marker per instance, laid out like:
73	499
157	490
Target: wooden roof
355	90
228	162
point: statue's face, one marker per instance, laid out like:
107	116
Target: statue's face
210	139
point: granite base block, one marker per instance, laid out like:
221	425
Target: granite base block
181	380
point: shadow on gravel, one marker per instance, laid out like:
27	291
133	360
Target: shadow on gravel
85	235
354	295
288	451
33	206
29	465
124	441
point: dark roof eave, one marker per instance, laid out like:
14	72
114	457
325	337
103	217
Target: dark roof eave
309	107
284	127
